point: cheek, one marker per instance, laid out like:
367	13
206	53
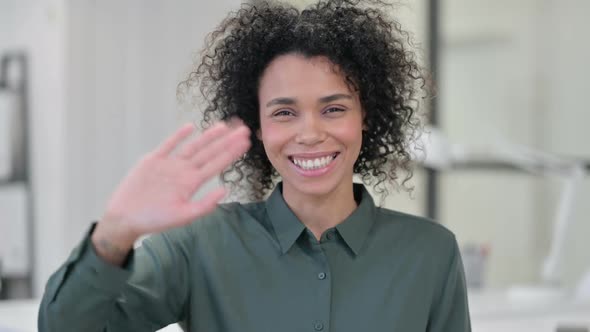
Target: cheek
274	137
350	134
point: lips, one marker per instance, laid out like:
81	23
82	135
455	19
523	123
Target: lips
312	156
313	161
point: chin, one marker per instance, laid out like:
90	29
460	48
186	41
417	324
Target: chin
312	187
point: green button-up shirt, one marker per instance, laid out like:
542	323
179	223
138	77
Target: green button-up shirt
255	267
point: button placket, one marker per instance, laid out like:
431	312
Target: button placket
318	326
324	292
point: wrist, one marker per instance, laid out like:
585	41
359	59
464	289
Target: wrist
112	242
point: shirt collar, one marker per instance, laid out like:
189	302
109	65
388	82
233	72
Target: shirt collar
354	229
286	225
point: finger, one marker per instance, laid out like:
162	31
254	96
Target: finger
171	142
220	161
203	206
221	146
234	122
207	137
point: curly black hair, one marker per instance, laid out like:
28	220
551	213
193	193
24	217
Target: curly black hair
372	51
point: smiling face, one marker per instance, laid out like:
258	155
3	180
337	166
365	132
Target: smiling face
310	124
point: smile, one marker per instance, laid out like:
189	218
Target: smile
308	164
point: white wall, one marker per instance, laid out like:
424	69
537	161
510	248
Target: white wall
563	51
38	27
486	94
515	70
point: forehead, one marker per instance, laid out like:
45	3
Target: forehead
293	75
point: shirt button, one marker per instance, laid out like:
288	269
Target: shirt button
318	326
321	276
330	236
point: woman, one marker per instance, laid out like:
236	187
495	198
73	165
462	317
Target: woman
314	97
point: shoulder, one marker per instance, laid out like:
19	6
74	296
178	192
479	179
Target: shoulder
232	216
415	230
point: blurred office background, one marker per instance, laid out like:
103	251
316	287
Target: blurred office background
89	86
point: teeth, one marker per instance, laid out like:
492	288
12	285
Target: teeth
316	163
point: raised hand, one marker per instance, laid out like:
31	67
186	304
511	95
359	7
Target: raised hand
156	194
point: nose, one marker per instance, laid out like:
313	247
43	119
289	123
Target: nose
310	131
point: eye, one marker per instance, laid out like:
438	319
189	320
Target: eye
283	112
334	110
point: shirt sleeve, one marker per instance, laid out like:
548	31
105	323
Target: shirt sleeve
451	313
149	292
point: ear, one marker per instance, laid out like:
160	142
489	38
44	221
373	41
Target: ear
259	134
365	127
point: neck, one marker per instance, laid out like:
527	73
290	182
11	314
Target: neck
319	213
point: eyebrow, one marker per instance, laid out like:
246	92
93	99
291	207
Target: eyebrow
292	101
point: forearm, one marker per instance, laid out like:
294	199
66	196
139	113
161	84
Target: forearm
80	296
148	292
